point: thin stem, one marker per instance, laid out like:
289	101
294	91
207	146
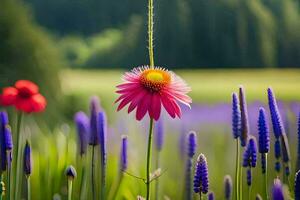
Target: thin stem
157	180
83	179
200	195
237	169
149	158
266	176
70	183
28	188
241	182
150	32
8	173
93	175
134	176
249	192
18	148
2	189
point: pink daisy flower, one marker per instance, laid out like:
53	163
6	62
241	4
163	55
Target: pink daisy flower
147	89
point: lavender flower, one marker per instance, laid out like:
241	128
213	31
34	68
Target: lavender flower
159	133
227	187
244	117
191	149
192	144
278	128
6	143
277	149
236	117
94	109
250	154
27	159
277	190
201	182
263	132
249	177
102	128
211	196
124	153
82	126
297	186
71	172
285	148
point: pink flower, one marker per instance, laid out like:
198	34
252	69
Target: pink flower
147	89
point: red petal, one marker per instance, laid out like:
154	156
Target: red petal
154	111
143	107
8	96
27	87
36	103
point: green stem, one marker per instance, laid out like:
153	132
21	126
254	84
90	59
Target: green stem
18	147
83	179
200	195
266	196
8	174
237	169
93	173
2	189
28	188
249	192
70	183
240	182
157	180
150	32
149	158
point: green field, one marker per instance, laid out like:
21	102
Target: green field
207	85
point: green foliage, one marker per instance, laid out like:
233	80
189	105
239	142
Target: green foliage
27	52
191	33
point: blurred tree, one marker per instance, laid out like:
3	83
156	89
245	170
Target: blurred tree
26	52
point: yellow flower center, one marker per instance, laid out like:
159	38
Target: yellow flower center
155	79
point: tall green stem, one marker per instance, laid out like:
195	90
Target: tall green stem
28	188
237	169
157	180
83	179
249	192
150	32
18	161
2	189
8	153
93	173
149	158
70	183
266	196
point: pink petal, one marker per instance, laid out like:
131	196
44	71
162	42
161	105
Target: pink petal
127	99
177	108
168	105
136	100
155	108
143	106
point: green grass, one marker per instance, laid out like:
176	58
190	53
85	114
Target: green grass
207	85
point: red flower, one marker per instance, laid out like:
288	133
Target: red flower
24	96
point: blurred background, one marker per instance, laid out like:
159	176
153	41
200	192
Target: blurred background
77	48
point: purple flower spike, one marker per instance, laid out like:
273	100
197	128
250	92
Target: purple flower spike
6	143
244	117
94	109
27	159
159	134
278	128
82	126
263	132
236	117
277	149
201	175
211	196
8	138
285	148
277	190
227	187
297	186
192	144
124	153
249	177
250	154
102	128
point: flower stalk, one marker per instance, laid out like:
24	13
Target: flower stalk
149	157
